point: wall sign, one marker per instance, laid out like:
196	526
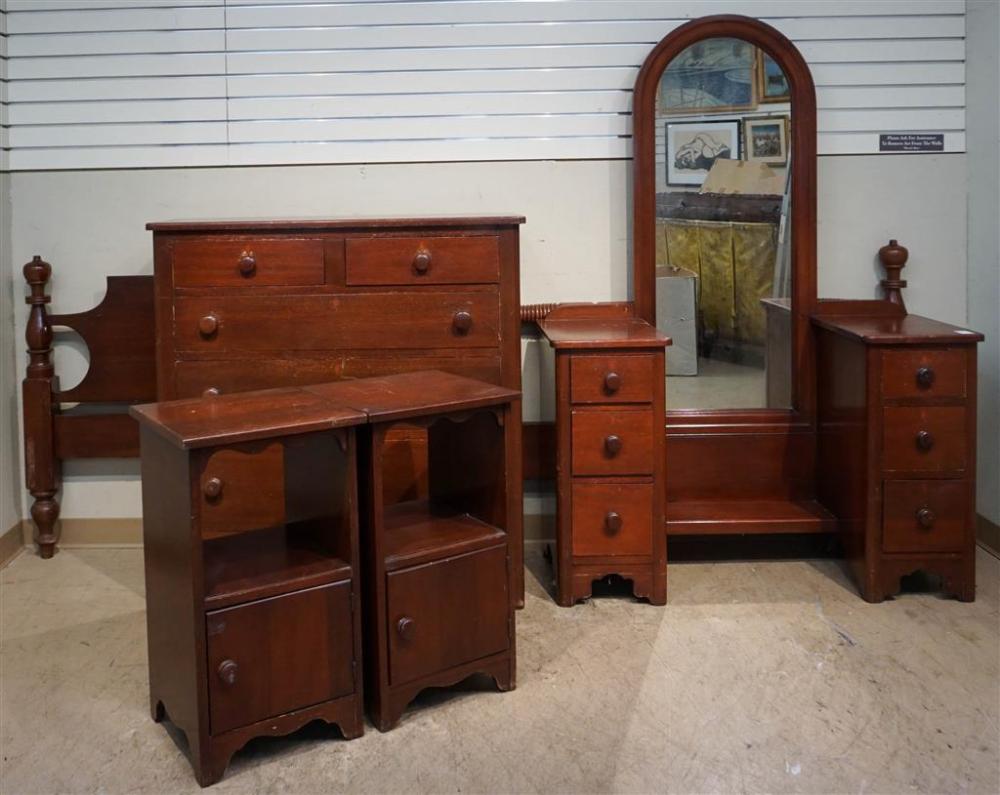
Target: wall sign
911	142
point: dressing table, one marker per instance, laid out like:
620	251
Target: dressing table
761	434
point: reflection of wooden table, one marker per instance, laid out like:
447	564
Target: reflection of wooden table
676	316
778	352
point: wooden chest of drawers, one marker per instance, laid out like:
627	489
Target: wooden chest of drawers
897	448
610	460
244	305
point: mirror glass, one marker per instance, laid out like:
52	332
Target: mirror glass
723	283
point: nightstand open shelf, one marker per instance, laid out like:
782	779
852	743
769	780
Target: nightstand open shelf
419	532
269	562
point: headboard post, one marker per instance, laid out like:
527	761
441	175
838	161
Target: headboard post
40	464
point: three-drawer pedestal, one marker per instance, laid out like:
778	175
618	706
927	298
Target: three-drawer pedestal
897	448
610	451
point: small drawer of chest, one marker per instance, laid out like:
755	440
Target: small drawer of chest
615	378
923	373
924	439
423	260
612	519
248	262
613	441
925	515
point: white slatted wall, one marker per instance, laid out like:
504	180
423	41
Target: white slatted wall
4	144
139	83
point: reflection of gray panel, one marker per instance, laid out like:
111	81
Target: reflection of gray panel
676	317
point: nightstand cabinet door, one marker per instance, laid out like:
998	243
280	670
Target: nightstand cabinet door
273	656
447	613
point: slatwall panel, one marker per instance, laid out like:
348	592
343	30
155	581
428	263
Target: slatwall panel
4	138
135	83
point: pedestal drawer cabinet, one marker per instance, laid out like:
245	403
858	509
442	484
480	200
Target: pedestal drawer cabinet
610	450
243	305
897	447
250	523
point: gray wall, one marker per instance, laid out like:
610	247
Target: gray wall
983	96
574	246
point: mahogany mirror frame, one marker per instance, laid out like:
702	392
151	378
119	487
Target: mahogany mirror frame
803	201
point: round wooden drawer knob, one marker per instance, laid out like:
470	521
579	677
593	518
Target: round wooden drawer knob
422	262
612	444
405	628
461	321
212	488
925	440
612	382
925	518
612	522
208	325
227	672
925	378
248	263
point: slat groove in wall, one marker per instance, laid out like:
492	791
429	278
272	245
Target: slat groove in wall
126	83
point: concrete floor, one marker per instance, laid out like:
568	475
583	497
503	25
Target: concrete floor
718	385
763	676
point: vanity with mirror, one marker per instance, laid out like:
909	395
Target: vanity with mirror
757	438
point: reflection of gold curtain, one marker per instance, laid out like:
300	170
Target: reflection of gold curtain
735	265
753	264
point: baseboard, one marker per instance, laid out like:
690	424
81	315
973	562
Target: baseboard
11	543
988	535
125	532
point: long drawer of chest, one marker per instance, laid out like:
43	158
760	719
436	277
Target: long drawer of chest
404	320
193	377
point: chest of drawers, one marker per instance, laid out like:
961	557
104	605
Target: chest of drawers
245	305
610	451
897	448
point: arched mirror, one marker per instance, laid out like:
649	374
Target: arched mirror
724	221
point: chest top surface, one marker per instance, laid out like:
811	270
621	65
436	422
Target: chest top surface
319	224
602	332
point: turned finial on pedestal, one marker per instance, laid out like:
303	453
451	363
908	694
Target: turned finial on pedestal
893	257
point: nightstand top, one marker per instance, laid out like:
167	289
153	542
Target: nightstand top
896	330
244	416
396	397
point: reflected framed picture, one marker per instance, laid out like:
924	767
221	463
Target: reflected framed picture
692	147
765	140
772	85
711	76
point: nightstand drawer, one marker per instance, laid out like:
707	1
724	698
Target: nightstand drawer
924	439
924	515
242	488
613	441
446	613
248	262
612	519
277	655
619	378
924	373
423	260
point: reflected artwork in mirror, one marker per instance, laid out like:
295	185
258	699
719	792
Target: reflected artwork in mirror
723	283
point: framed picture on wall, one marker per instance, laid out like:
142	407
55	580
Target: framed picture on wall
772	85
711	76
692	147
765	140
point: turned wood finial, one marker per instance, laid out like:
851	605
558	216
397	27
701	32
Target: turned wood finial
38	333
893	257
